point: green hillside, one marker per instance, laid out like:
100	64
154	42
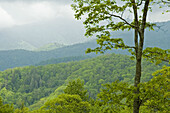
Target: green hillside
30	84
62	60
18	58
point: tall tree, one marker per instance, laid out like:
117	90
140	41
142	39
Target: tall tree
101	17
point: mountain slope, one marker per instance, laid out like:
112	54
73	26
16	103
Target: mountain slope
69	32
62	60
63	31
49	47
30	84
16	58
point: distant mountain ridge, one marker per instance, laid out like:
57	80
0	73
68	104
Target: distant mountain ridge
49	47
16	58
38	35
43	33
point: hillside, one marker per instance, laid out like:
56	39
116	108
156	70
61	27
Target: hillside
63	31
17	58
36	35
50	46
64	59
30	84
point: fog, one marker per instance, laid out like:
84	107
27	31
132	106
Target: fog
40	22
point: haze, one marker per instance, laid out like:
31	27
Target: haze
39	22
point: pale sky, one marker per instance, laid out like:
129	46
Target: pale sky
24	13
18	12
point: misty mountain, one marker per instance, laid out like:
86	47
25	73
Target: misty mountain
49	47
39	34
16	58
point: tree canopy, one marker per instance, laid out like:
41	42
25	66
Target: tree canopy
104	16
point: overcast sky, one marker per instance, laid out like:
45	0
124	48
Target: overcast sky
18	12
24	12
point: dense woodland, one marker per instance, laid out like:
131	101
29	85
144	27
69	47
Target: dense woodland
34	85
62	60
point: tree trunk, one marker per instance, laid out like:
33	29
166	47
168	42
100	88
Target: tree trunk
136	103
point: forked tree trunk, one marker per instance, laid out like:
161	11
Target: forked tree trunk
139	49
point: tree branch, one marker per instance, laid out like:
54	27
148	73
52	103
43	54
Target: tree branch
123	46
123	20
140	3
145	14
152	57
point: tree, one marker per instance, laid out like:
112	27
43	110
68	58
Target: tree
100	19
118	96
76	87
155	93
5	108
66	103
22	109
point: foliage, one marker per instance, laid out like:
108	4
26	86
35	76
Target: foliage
23	110
61	60
156	55
76	88
18	58
5	108
30	84
67	103
154	94
115	97
101	20
102	17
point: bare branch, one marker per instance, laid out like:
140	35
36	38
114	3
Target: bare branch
123	20
120	46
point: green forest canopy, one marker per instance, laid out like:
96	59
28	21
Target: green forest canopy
31	83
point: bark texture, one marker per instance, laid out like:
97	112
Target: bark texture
139	42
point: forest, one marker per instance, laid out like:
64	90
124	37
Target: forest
18	58
133	77
34	85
